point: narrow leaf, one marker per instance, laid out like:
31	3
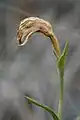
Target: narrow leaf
43	106
61	59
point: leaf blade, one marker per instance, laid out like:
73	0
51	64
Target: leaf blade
44	107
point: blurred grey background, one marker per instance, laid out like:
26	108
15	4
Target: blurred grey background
31	70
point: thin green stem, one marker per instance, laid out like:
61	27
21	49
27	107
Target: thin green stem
60	66
60	107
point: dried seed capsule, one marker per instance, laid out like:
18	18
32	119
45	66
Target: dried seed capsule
31	25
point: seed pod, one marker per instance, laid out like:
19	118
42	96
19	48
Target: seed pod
31	25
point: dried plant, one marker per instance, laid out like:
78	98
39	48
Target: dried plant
26	28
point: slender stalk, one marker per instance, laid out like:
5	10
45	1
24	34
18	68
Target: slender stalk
60	107
55	45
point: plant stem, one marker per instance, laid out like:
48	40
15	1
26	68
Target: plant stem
60	107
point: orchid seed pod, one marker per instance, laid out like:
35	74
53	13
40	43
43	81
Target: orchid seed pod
30	25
